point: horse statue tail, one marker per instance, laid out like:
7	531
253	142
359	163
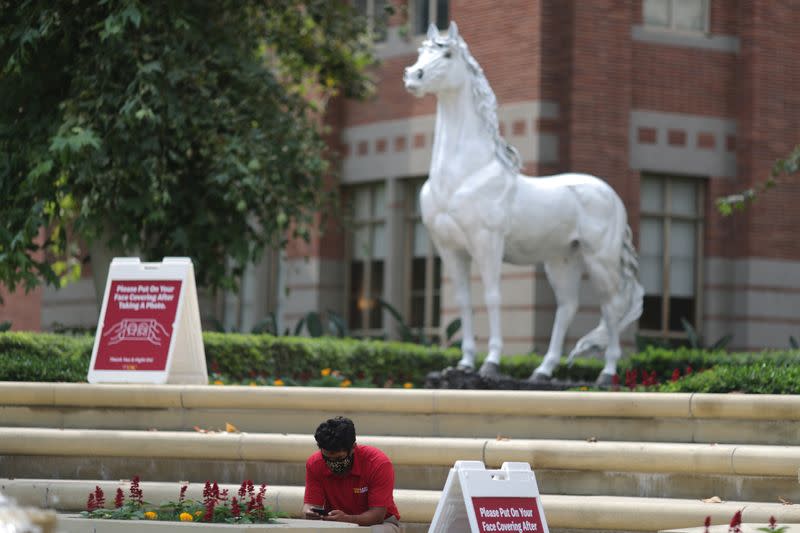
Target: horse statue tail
626	303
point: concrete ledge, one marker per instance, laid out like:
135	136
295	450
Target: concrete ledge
77	524
593	513
728	430
721	459
530	403
746	528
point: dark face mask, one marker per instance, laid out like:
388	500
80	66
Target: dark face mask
339	466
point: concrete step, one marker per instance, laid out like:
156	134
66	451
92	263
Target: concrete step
622	416
574	513
667	470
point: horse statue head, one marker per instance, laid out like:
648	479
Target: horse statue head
445	67
441	64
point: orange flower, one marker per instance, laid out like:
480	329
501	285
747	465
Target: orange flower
278	383
325	372
186	517
408	385
150	515
252	383
197	513
345	383
218	382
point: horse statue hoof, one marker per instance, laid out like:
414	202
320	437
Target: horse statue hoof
539	377
604	380
489	370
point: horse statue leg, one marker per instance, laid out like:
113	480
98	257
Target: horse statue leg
490	261
615	277
613	350
565	278
457	264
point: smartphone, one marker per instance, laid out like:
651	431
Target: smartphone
320	511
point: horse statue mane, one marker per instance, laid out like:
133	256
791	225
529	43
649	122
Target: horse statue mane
478	207
486	106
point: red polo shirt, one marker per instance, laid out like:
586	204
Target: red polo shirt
369	483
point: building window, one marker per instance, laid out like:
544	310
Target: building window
670	244
423	12
367	252
683	15
376	15
423	270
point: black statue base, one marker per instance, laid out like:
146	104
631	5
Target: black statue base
459	378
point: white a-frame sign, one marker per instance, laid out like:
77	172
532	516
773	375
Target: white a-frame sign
489	501
149	327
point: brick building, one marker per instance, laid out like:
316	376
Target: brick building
673	102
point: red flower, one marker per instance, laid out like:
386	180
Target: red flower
235	511
243	489
99	497
210	504
707	523
736	521
260	498
630	378
676	375
772	522
120	499
182	495
688	369
91	505
136	492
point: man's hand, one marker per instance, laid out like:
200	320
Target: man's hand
309	514
374	515
339	516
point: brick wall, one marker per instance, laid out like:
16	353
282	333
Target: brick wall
600	92
679	79
504	43
769	115
23	310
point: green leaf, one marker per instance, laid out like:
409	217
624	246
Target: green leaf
452	328
42	168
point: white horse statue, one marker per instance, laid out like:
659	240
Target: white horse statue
477	206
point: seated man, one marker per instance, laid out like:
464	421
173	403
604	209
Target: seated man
347	482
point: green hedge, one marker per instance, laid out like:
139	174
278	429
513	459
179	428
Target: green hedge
44	357
765	377
665	361
242	357
262	358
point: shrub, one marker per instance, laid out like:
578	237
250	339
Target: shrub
44	357
764	377
665	361
262	359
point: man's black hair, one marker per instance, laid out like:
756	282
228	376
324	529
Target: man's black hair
336	434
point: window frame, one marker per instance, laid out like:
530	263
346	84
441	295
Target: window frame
665	215
411	217
370	222
671	27
369	14
432	12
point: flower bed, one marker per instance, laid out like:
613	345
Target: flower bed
246	507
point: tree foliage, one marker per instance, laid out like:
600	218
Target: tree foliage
166	128
782	167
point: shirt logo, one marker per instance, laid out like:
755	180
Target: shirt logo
360	490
